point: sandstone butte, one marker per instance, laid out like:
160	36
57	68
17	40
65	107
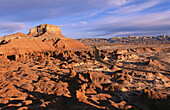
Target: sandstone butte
44	37
46	30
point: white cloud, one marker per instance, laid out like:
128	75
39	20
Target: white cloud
157	18
9	28
135	7
127	15
74	24
149	23
83	22
12	27
62	25
32	10
118	2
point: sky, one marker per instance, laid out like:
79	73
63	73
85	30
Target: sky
87	18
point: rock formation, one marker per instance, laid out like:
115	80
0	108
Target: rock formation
69	43
46	30
42	38
22	46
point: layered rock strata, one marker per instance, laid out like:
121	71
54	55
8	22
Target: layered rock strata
46	30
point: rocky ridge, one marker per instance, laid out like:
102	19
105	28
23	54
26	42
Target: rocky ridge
41	38
138	40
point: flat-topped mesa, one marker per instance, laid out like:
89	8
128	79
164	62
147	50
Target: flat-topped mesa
46	30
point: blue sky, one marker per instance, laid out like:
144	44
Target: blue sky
87	18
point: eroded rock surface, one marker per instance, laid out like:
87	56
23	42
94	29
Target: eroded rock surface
54	74
67	79
46	30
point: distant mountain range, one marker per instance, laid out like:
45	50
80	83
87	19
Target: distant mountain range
162	39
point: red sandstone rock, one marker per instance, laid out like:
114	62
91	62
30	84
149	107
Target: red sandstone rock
4	100
27	102
23	108
122	105
153	94
80	95
46	30
72	72
15	105
49	37
68	43
22	46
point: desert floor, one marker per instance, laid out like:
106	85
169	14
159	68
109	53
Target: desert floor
111	77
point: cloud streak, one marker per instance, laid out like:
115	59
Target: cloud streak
6	28
135	7
12	27
42	9
149	23
97	17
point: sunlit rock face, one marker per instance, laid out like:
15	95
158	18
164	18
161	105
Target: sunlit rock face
46	30
41	39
